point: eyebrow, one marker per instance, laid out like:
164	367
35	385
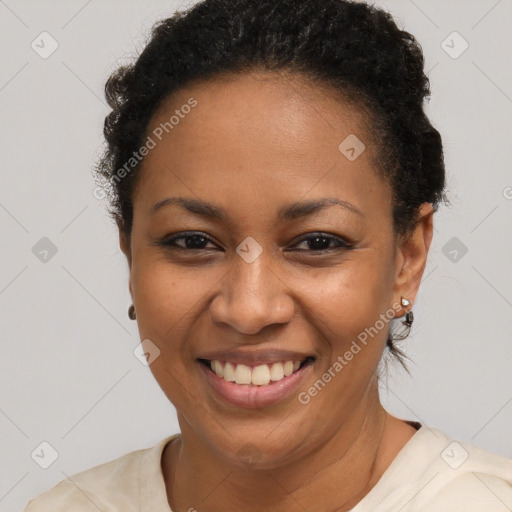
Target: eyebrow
289	212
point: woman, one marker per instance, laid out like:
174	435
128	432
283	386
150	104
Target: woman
274	179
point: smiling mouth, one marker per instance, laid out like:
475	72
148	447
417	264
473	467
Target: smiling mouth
259	375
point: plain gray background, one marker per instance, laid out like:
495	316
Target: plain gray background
68	373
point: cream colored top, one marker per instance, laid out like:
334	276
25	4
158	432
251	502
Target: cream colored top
431	473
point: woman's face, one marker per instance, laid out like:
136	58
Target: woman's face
269	276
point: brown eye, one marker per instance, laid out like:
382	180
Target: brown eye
323	242
191	241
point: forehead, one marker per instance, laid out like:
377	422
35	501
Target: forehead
256	138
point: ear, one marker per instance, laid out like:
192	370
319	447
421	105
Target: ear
125	246
411	256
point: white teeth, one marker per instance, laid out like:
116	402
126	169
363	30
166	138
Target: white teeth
288	368
217	368
229	372
260	375
242	374
276	371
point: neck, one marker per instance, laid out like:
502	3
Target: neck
335	476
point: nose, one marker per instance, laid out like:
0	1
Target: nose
252	297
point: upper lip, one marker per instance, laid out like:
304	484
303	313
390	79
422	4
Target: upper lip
255	356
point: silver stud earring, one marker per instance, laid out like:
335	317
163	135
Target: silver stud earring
409	317
131	312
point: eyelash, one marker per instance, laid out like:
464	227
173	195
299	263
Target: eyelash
170	242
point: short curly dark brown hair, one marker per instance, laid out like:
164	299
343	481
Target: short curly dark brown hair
354	48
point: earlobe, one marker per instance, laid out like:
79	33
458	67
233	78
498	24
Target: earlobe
412	255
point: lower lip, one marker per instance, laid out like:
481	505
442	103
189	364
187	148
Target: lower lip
255	397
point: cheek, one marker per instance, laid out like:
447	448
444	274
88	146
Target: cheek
168	300
347	305
345	310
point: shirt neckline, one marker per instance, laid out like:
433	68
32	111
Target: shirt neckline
424	438
153	493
